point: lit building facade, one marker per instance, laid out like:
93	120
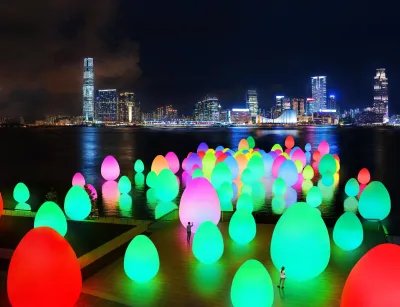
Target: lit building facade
318	89
106	106
381	94
252	102
170	112
288	117
331	103
128	108
299	106
88	90
286	104
279	103
160	113
240	116
207	109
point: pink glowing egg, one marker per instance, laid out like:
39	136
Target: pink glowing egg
159	163
199	203
323	148
92	190
288	150
277	164
278	152
110	168
185	175
184	164
173	162
78	180
299	155
110	193
364	176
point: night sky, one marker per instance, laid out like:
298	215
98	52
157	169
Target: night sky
175	52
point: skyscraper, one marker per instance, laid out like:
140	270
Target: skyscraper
252	102
106	105
318	89
126	107
207	109
381	95
279	103
331	102
88	90
298	106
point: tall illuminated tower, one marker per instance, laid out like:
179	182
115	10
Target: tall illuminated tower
381	95
318	90
252	102
88	90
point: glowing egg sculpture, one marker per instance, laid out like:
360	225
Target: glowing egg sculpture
202	147
248	177
327	164
279	187
289	142
159	163
208	244
51	215
243	145
173	162
139	180
348	232
374	201
141	260
252	286
314	197
308	172
288	172
300	242
364	176
328	179
197	173
139	166
242	227
233	166
151	179
21	193
307	147
278	204
220	174
256	166
277	147
306	186
110	168
245	202
373	277
78	179
124	185
323	148
350	204
44	271
199	203
251	142
167	187
277	164
268	161
352	187
298	155
77	204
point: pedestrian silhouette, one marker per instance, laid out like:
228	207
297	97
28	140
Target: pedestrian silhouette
189	231
282	279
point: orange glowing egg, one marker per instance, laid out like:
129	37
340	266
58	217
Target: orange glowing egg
364	176
159	163
239	185
289	142
336	157
243	144
316	155
242	162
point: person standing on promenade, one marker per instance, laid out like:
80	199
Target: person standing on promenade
189	231
283	277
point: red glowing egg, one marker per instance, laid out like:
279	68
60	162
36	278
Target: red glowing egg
201	154
316	155
221	158
289	142
374	280
44	271
336	157
1	205
364	176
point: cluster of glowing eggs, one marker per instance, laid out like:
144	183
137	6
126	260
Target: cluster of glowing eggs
44	271
138	166
77	204
173	161
348	232
242	227
199	203
110	168
21	193
374	202
364	176
374	280
151	179
124	185
352	187
159	163
51	215
288	172
78	179
314	197
252	286
279	187
208	244
300	242
277	164
141	260
328	179
220	174
167	187
299	155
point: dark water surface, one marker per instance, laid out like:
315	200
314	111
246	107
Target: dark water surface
49	157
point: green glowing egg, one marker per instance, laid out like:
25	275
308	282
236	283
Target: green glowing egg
225	195
279	187
251	142
125	205
208	245
220	174
374	201
352	187
23	207
328	179
242	227
258	193
252	286
141	261
124	185
197	173
247	177
350	204
167	187
245	202
327	164
21	193
51	215
256	167
247	189
308	172
300	242
151	179
139	180
208	164
139	166
327	192
278	204
314	197
151	196
306	186
348	232
77	204
276	147
164	208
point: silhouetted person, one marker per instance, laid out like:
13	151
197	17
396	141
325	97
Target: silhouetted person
283	277
189	231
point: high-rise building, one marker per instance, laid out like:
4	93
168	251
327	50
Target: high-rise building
127	108
240	116
88	90
279	103
252	102
106	106
331	102
160	113
318	89
286	105
309	107
170	112
299	106
381	94
207	109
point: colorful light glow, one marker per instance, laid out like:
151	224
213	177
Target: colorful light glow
21	193
348	232
139	180
307	147
110	192
173	162
314	197
44	271
316	155
277	164
364	176
92	190
124	185
197	173
159	163
78	179
350	204
299	166
289	142
248	177
110	168
290	196
167	187
243	144
328	179
164	208
139	166
245	202
51	215
308	172
1	205
374	201
233	166
288	172
277	147
225	195
151	179
242	227
220	174
125	205
242	162
298	155
352	187
323	148
279	187
306	186
256	166
327	164
208	244
151	196
141	260
208	164
77	204
278	204
23	207
251	142
202	147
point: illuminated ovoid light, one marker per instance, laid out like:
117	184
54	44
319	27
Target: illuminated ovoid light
92	190
289	142
277	147
164	208
199	203
51	215
316	155
139	166
220	157
248	177
307	147
220	174
245	202
202	147
110	192
314	197
173	162
246	189
242	162
151	179
77	204
139	180
323	148
268	161
290	196
373	277
141	260
225	195
300	242
78	179
364	176
208	244
23	207
327	192
44	271
350	204
151	196
306	186
299	166
233	166
251	142
299	155
328	179
159	163
348	232
374	201
273	154
110	168
277	164
208	164
278	204
167	187
256	166
184	164
201	154
279	187
1	205
21	193
242	227
124	185
125	205
252	286
219	148
308	156
243	145
327	164
197	173
288	172
352	187
308	172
